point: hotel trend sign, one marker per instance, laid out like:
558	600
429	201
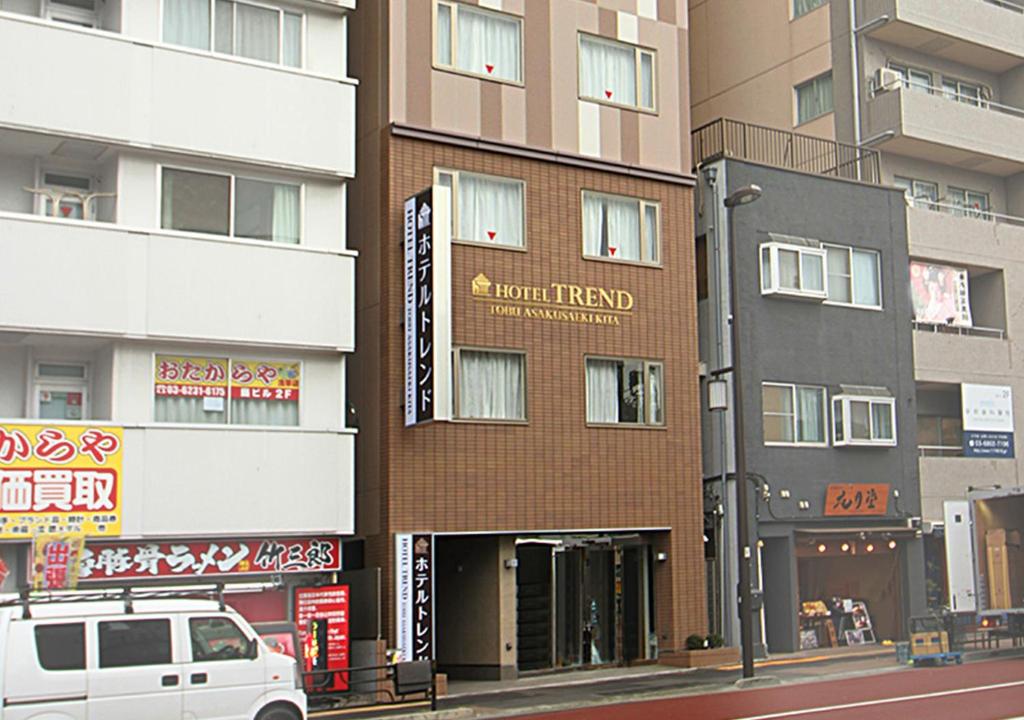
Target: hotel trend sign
427	244
557	301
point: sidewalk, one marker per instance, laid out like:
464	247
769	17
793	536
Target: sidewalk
481	700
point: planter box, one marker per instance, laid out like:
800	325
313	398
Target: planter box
700	658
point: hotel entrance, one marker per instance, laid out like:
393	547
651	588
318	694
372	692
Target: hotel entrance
582	601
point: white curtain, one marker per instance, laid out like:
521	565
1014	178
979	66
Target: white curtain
860	421
657	398
611	227
838	274
865	278
602	391
256	32
491	386
789	269
187	22
487	44
814	98
224	27
292	40
810	407
651	232
444	34
185	410
811	276
607	71
881	414
264	412
285	222
646	80
490	210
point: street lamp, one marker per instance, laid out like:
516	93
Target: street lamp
743	196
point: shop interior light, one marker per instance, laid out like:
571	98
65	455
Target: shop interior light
892	544
822	548
845	547
870	547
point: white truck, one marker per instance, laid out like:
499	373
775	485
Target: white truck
985	559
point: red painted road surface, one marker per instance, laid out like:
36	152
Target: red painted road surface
992	690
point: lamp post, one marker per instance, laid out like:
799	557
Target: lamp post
743	196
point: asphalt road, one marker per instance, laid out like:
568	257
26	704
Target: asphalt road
989	690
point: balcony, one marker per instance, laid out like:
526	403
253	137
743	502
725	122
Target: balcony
948	478
939	127
204	481
111	280
109	88
985	34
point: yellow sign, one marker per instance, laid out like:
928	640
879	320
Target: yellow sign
261	380
191	377
56	560
563	302
60	479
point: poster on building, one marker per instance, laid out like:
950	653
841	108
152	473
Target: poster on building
261	380
55	561
60	479
322	616
857	499
427	243
414	601
940	294
176	376
987	420
202	559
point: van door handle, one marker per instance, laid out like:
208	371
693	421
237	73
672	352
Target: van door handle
169	680
197	678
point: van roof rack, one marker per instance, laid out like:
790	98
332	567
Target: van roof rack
26	598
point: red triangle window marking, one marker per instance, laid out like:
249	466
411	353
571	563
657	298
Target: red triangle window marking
491	234
490	68
611	250
66	211
608	93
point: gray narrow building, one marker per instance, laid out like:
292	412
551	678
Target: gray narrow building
827	381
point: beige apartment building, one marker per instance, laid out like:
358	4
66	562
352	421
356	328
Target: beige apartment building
937	86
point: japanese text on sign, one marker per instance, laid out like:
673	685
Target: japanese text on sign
115	561
857	499
414	603
322	616
60	479
219	378
419	308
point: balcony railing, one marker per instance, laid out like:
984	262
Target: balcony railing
726	138
978	100
922	202
940	451
957	330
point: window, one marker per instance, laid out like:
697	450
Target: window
479	42
919	193
802	7
217	638
793	414
258	32
864	420
220	391
61	391
795	270
68	191
853	276
228	205
814	98
965	92
968	203
620	228
914	78
72	12
627	392
617	73
125	643
490	385
61	647
486	209
937	432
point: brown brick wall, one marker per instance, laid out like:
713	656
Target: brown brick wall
553	472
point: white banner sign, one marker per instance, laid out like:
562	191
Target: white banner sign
987	408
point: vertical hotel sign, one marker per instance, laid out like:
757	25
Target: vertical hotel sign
987	420
414	601
428	295
60	479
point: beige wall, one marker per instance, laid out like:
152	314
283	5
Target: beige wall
545	110
746	58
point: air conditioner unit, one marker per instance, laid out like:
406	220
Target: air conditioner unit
886	79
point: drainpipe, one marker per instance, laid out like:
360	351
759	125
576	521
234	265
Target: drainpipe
855	72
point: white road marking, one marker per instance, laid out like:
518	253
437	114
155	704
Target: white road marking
884	701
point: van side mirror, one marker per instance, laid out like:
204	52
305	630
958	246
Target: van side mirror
252	651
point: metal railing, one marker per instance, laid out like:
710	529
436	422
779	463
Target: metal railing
372	686
959	330
980	101
940	451
725	138
924	203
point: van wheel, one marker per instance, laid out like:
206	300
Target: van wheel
279	712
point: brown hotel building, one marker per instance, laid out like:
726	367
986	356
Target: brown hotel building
562	492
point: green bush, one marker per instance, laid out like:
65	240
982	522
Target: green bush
715	641
696	642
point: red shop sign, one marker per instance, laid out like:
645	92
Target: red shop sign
322	616
140	560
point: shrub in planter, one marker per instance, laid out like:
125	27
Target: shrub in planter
696	642
715	641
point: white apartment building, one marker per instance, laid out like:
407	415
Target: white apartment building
173	263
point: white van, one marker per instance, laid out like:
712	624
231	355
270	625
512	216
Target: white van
162	659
